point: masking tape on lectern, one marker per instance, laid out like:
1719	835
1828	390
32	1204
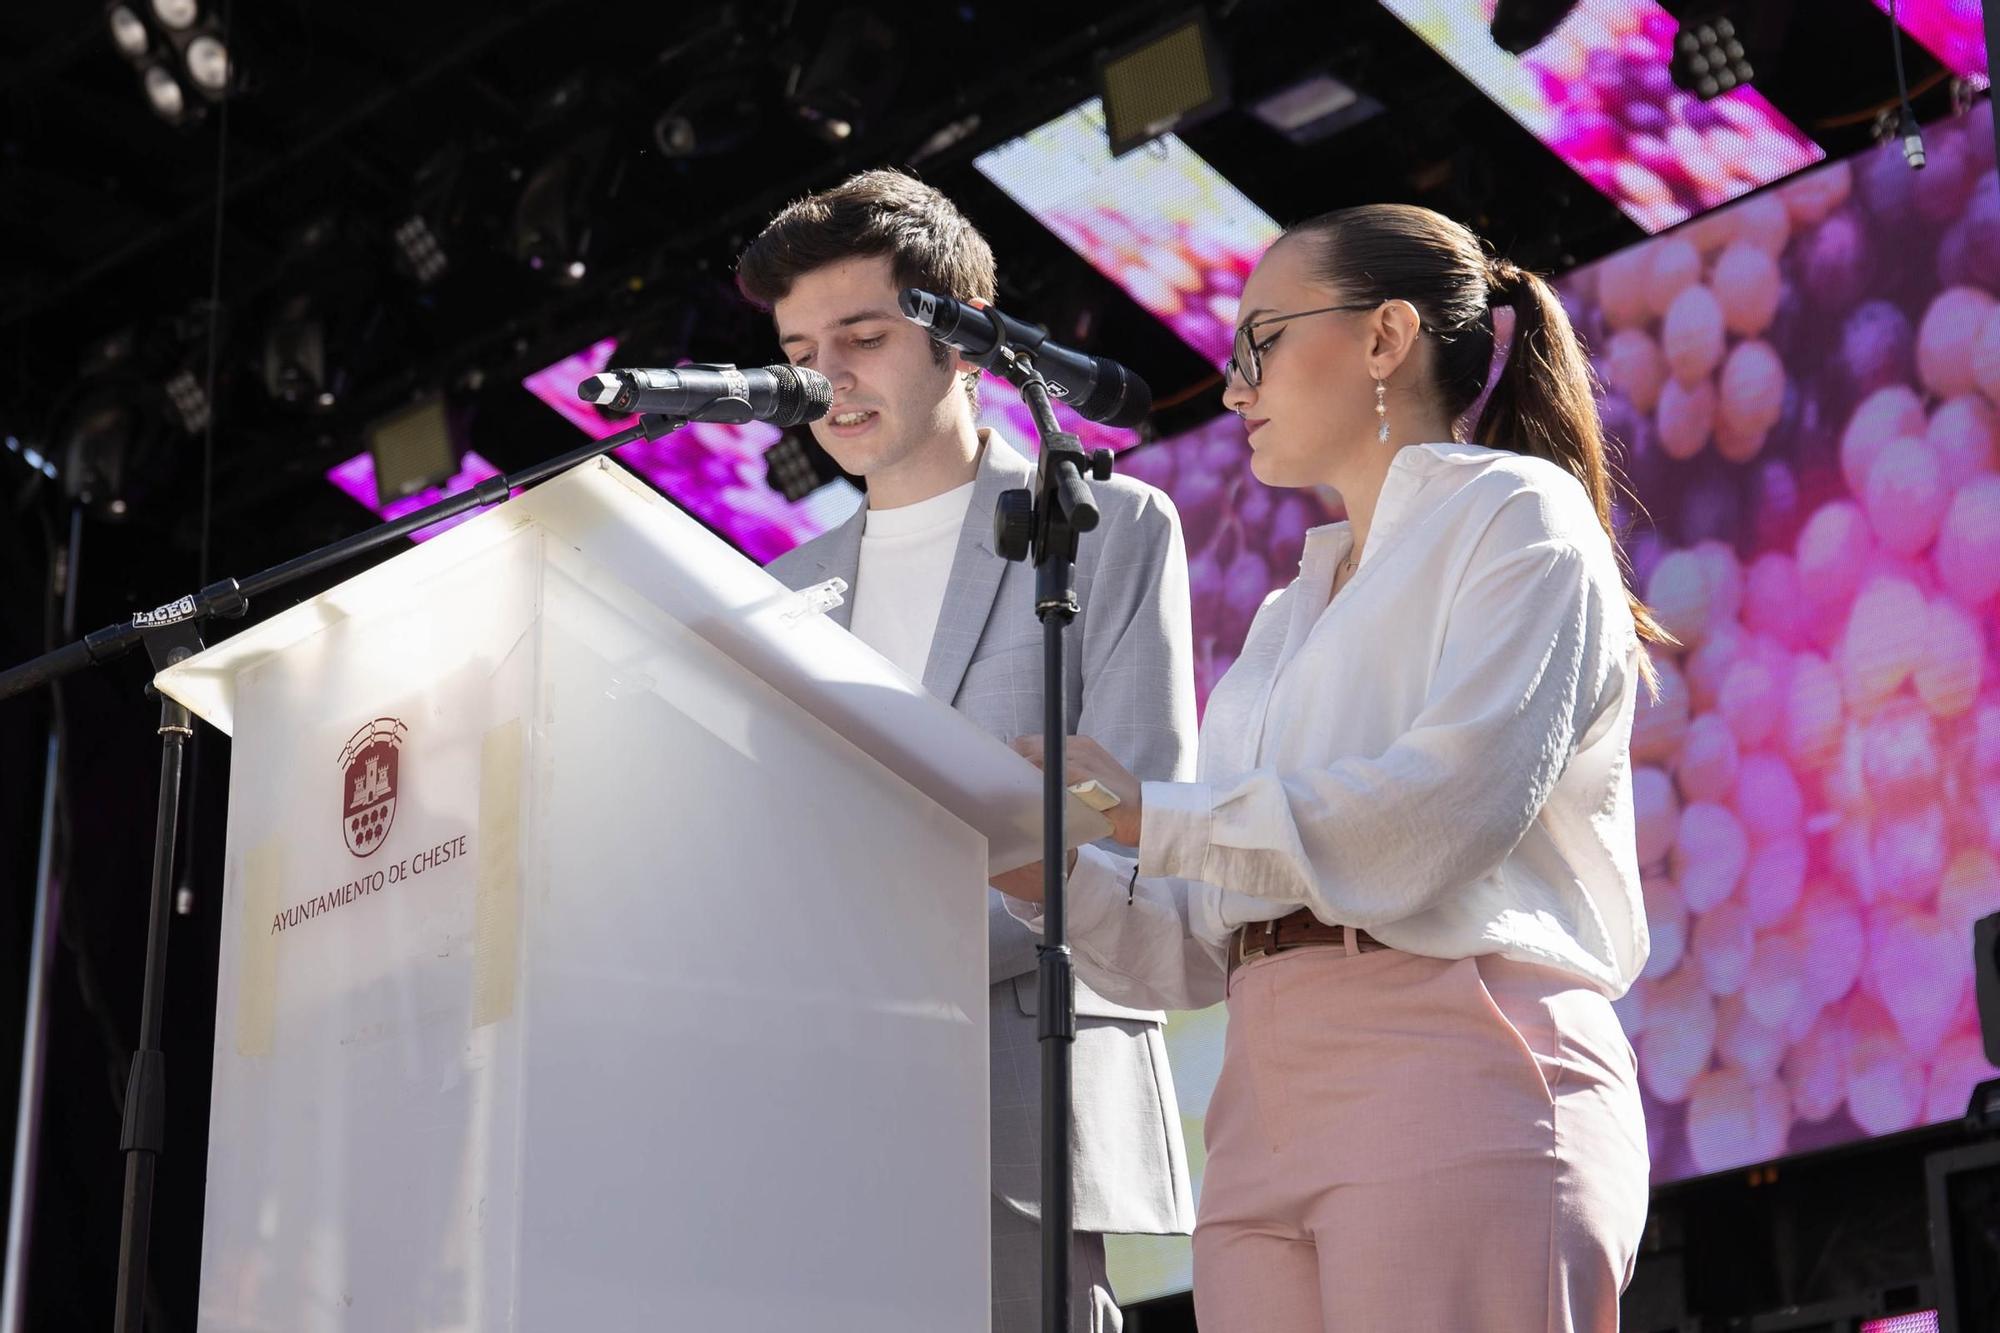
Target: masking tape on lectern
497	910
257	958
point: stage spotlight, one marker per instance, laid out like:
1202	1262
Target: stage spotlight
796	466
176	14
419	251
1315	108
108	443
128	32
294	360
413	449
1162	82
1709	57
32	456
552	230
852	79
164	92
188	400
715	116
1521	25
207	61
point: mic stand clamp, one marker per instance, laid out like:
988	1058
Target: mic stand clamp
1043	524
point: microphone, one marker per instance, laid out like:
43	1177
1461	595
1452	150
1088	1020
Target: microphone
781	395
1095	387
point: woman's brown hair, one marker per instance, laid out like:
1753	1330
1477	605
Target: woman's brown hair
1544	403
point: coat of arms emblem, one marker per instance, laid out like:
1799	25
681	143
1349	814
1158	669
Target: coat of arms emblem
368	766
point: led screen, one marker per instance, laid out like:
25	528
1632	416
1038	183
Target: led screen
1160	221
1952	30
1807	388
356	478
1598	93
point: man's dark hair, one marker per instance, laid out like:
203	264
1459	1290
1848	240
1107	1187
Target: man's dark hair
928	242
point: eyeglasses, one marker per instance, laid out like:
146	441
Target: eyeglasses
1248	355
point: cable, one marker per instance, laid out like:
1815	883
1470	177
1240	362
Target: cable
215	304
1906	125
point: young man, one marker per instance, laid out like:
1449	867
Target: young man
929	593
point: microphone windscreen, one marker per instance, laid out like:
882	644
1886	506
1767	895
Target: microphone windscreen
1119	398
803	395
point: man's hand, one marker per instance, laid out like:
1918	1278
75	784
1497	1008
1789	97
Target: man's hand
1084	759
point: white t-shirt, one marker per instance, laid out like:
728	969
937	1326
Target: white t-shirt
899	586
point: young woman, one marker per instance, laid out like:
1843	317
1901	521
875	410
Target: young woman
1409	863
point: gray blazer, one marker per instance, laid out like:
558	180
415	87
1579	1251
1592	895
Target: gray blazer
1130	684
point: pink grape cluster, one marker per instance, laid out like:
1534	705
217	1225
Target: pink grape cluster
1188	274
1808	386
1243	537
1660	152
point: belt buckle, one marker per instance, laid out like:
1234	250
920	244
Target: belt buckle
1246	952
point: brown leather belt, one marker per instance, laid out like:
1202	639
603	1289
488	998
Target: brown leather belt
1300	929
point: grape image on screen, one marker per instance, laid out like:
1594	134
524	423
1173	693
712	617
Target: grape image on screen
1597	91
1804	391
1807	388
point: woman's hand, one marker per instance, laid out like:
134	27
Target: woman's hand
1025	883
1084	759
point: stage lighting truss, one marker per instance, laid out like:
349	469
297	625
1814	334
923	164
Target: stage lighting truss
852	78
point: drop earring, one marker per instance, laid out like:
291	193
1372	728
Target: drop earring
1381	411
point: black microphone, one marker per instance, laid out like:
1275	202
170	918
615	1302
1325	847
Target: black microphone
781	395
1095	387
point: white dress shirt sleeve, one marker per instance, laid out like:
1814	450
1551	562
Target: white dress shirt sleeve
1535	642
1151	949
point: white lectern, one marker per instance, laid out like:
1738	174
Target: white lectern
604	948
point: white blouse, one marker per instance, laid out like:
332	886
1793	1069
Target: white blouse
1439	755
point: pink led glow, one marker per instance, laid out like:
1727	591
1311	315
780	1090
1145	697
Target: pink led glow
1163	224
1916	1321
714	472
356	477
1952	30
1819	542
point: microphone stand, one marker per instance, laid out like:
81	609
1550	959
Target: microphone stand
171	634
1044	524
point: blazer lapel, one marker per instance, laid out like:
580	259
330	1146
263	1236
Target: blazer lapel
840	558
975	570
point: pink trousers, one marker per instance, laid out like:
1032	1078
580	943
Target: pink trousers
1408	1143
